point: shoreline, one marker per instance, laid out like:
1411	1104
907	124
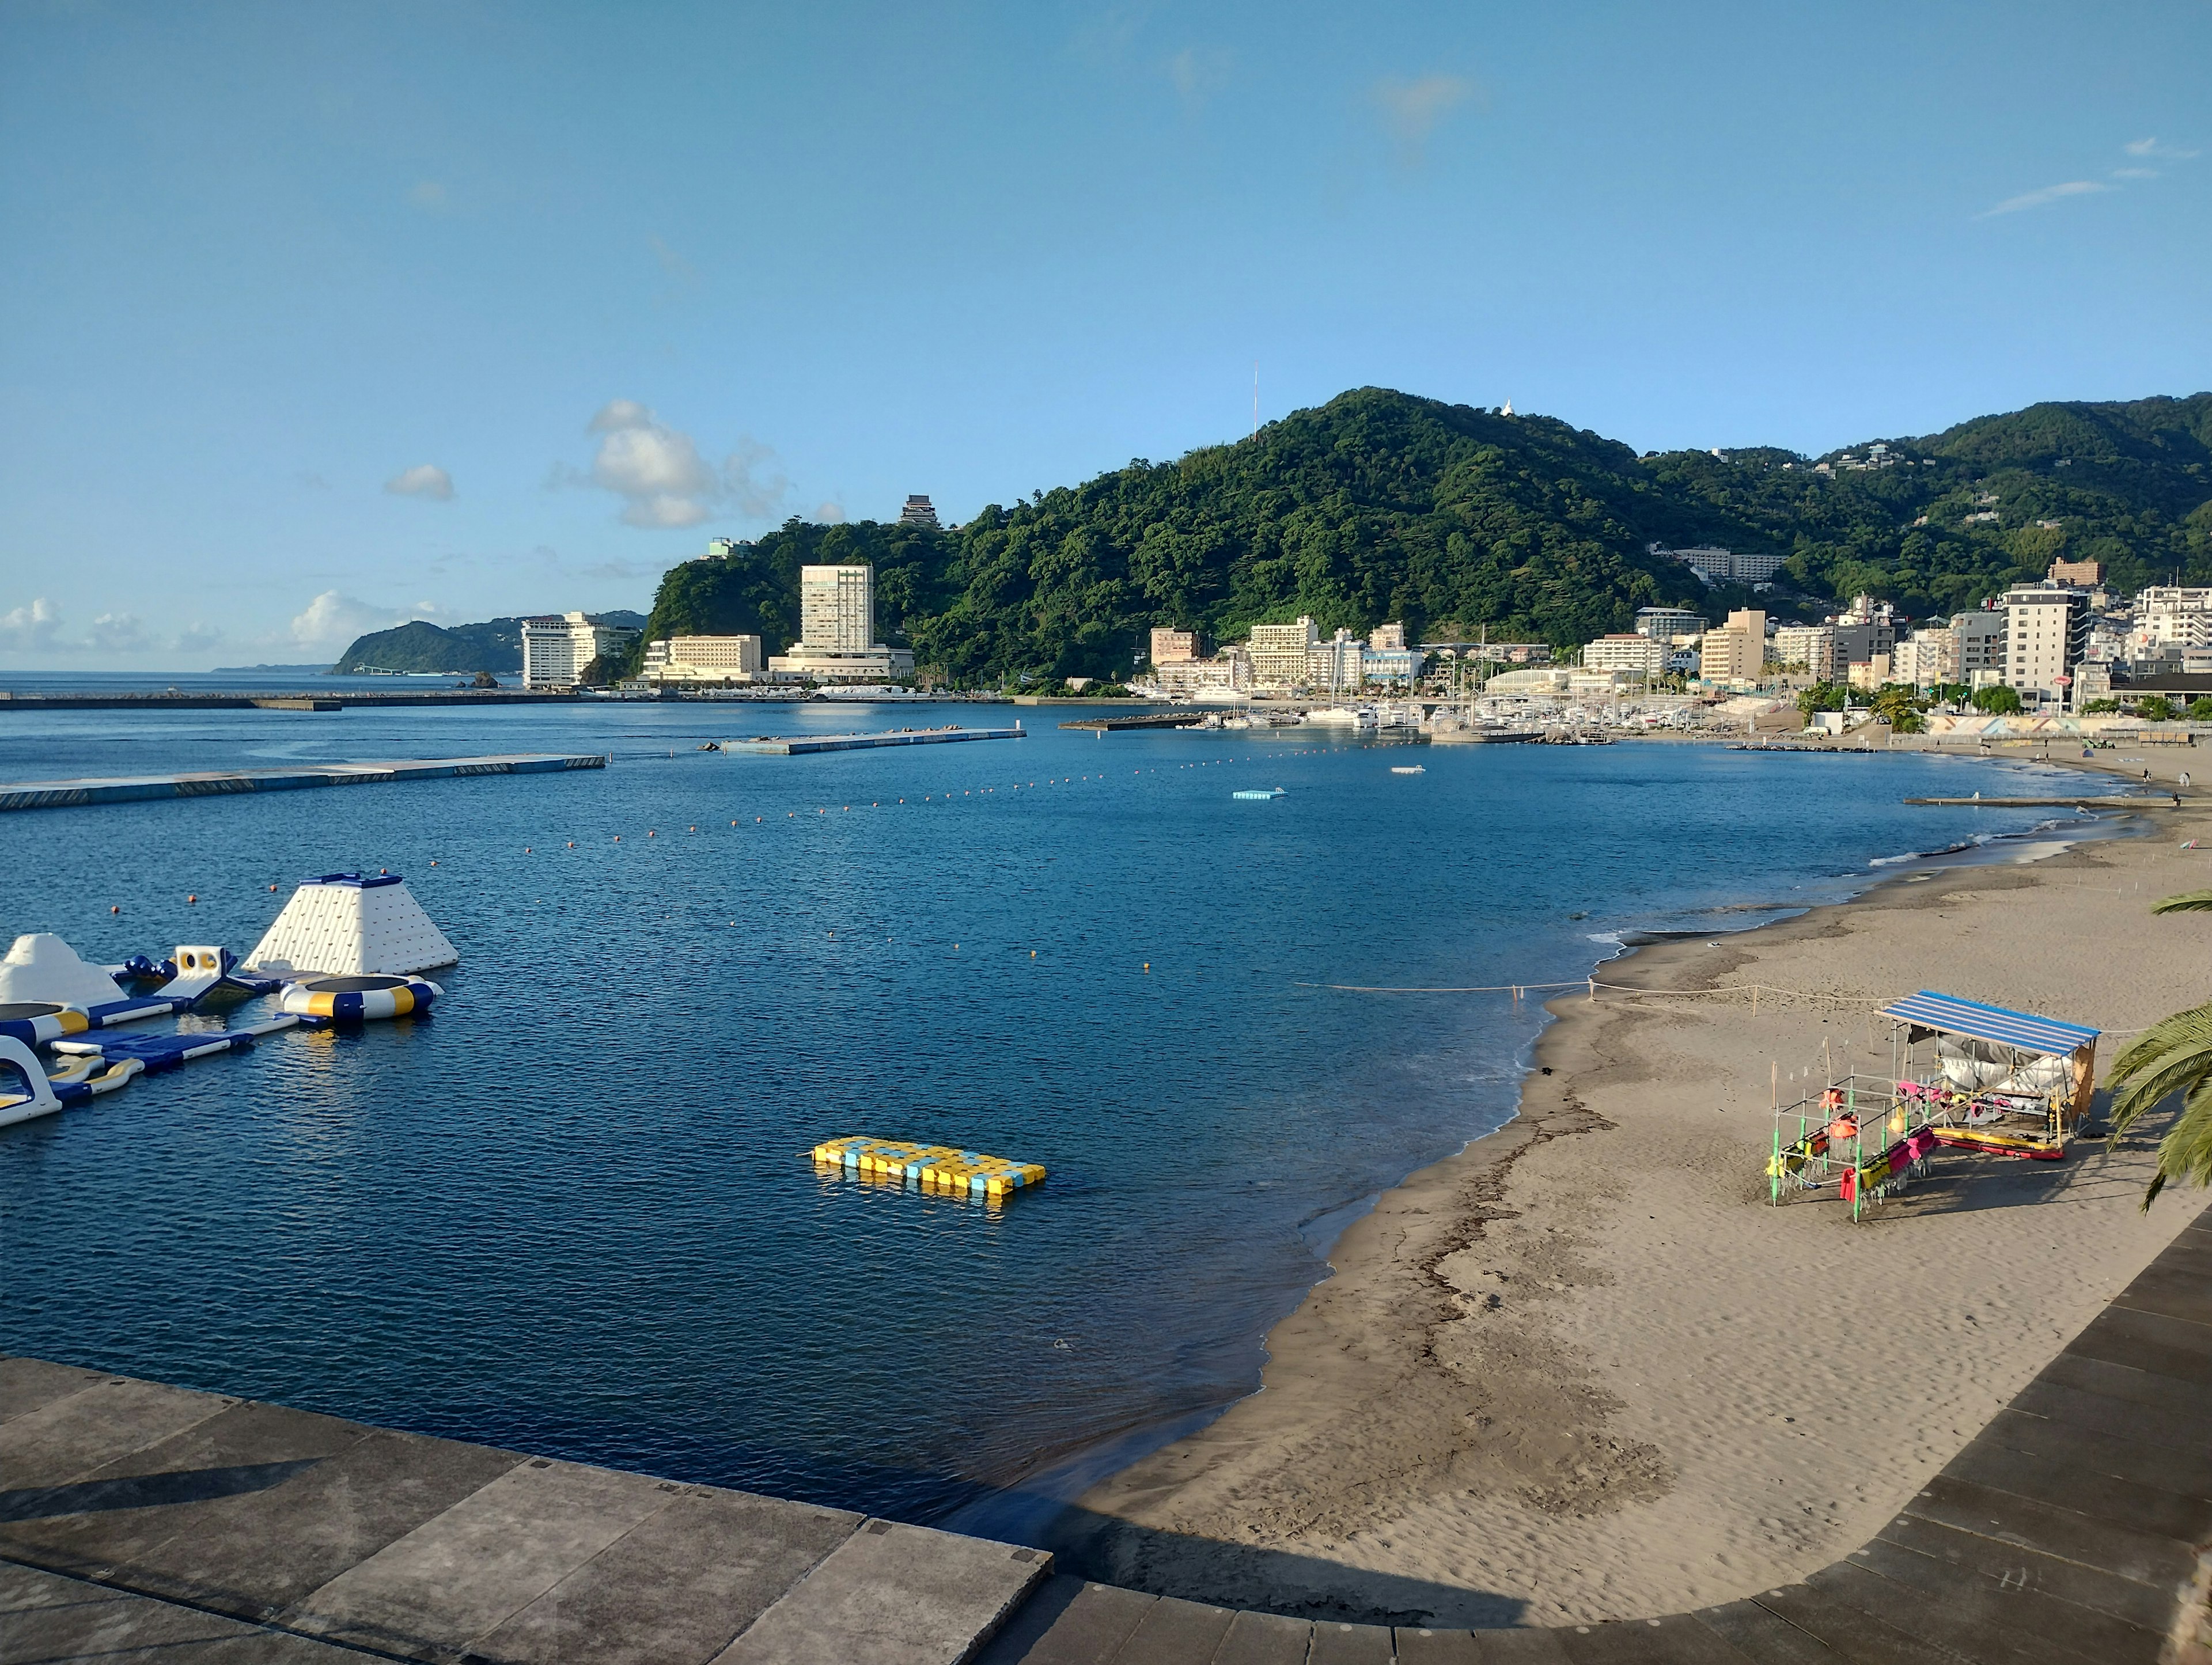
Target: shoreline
1481	1418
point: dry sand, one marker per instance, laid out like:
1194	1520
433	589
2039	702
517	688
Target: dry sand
1583	1370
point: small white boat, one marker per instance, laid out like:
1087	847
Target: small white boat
1407	769
1359	719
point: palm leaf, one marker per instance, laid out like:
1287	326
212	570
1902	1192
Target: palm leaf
2184	1069
2191	1027
2189	902
2186	1152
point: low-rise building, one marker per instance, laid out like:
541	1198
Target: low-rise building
1231	671
1281	653
557	649
1810	649
1173	647
1737	651
1665	623
1928	658
1337	664
1635	654
704	658
2093	680
1393	667
1718	565
2169	616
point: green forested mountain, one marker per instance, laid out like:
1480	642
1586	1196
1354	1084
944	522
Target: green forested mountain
420	645
1379	506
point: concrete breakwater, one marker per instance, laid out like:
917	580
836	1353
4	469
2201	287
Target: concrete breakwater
211	783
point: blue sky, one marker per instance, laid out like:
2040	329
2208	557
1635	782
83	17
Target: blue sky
320	317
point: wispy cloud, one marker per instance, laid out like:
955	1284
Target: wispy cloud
423	480
1197	73
2154	148
661	478
2049	193
1412	109
430	196
2135	172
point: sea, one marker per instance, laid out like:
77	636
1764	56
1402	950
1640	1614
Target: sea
571	1211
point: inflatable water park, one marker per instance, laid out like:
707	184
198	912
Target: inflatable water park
2003	1082
345	949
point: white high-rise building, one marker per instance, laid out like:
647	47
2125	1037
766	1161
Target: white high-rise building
558	647
836	631
1336	664
2171	615
1812	646
1633	653
2046	627
1928	658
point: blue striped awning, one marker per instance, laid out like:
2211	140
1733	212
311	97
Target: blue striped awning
2023	1030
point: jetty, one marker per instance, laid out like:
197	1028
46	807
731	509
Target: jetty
794	745
1154	720
153	1524
2143	801
217	783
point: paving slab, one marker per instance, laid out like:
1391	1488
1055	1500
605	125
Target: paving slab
2178	1292
680	1586
2121	1419
2032	1622
2149	1342
1764	1636
2154	1389
50	1618
893	1594
1264	1638
1862	1637
2014	1568
2187	1470
1335	1643
68	1437
1678	1639
1067	1620
2143	1557
1987	1462
1965	1628
1173	1632
467	1570
27	1383
1519	1647
250	1509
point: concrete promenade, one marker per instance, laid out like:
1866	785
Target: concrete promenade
152	1525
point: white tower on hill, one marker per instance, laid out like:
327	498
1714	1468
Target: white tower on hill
343	924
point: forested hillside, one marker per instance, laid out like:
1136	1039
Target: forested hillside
1379	506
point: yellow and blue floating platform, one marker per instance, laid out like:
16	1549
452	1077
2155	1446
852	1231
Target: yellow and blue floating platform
936	1167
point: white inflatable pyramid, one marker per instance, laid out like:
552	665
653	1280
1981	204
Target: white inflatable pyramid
343	924
43	967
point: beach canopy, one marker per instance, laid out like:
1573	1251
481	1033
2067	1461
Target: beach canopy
1948	1014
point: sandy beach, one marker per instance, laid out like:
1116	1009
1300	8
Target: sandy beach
1583	1370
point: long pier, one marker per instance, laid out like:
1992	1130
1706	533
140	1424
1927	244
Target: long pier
1160	720
794	745
2171	801
150	1523
216	783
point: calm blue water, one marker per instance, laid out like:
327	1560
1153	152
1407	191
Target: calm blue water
569	1213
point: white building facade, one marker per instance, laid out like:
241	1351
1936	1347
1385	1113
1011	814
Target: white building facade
558	647
1813	647
1636	655
1928	658
703	659
1282	654
2169	616
836	631
2046	627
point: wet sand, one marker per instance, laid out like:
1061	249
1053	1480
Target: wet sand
1584	1370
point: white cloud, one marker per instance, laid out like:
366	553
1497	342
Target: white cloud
36	626
334	620
2049	193
423	480
2135	172
1412	109
831	514
2153	147
664	480
33	628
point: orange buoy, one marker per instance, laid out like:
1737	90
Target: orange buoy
192	898
118	910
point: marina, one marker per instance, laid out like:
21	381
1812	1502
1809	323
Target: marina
211	783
